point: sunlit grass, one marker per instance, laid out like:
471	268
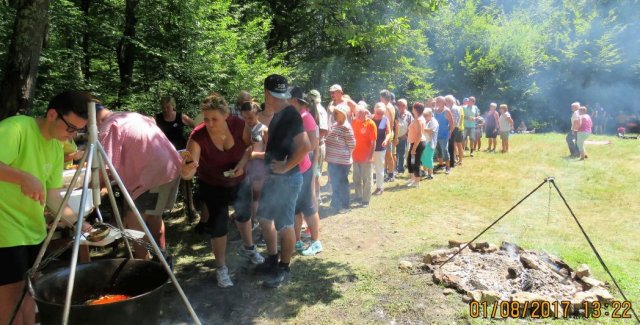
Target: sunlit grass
602	192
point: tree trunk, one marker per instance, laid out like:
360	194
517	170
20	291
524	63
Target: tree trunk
126	51
86	58
19	82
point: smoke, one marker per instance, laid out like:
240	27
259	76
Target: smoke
598	65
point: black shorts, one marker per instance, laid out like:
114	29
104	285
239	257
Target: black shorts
491	133
457	135
17	260
218	199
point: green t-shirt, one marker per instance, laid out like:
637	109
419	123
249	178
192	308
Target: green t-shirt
23	147
470	111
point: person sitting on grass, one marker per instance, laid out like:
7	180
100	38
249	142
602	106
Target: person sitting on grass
506	125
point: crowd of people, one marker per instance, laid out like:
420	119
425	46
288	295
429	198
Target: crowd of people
264	160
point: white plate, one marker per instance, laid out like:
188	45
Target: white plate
113	235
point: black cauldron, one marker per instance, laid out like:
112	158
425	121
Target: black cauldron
141	280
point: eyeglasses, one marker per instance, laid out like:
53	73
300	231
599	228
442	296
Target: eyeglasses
70	127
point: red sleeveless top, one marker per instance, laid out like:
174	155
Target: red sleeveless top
214	162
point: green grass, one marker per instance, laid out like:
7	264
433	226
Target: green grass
602	191
356	279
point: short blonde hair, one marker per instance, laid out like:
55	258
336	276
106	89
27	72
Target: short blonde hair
427	111
582	109
506	108
215	101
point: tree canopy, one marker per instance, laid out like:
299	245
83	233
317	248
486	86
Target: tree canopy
536	56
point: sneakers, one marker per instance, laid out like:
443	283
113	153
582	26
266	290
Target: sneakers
430	176
365	205
281	276
299	246
343	211
306	233
447	171
378	191
251	254
313	249
268	267
222	275
411	183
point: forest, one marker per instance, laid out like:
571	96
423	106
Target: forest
536	56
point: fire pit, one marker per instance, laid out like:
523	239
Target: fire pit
487	273
140	280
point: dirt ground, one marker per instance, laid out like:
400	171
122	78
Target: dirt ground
354	280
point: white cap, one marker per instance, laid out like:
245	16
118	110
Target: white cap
335	87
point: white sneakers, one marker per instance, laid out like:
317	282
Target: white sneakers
251	254
222	275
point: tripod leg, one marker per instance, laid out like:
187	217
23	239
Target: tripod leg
76	240
114	205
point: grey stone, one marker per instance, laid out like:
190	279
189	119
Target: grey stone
583	271
528	262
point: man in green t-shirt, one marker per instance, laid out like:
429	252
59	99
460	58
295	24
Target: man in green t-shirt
31	162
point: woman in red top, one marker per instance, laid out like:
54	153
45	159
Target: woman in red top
220	149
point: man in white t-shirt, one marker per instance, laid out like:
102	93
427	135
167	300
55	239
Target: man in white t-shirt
571	136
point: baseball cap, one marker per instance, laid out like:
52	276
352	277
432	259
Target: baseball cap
314	93
277	86
298	94
335	87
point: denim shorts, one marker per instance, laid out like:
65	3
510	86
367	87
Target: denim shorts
304	203
278	200
442	149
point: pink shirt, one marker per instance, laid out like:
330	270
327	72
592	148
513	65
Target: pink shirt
309	125
140	152
586	124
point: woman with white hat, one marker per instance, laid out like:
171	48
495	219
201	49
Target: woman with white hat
340	143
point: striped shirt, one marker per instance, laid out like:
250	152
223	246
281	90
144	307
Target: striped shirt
340	143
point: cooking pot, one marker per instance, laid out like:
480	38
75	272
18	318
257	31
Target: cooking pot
142	281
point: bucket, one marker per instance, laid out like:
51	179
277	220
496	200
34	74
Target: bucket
142	281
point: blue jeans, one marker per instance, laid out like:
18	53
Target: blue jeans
339	178
401	150
442	149
278	199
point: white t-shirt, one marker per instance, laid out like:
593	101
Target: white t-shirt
432	139
323	118
504	122
574	117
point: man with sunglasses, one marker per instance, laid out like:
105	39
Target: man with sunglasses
31	163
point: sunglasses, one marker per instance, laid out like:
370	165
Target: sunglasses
70	127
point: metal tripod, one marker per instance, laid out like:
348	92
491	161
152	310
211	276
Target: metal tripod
96	157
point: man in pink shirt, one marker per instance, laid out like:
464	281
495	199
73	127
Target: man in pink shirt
148	165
